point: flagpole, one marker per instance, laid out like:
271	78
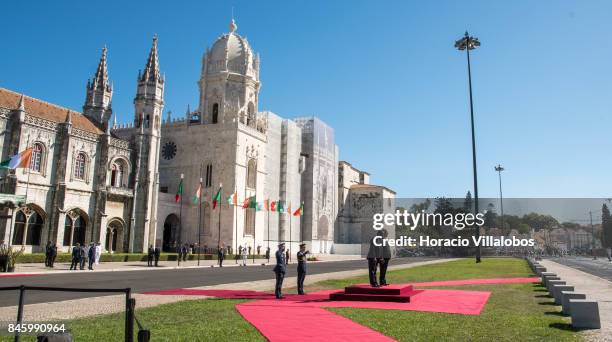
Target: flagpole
290	235
200	216
254	232
179	245
220	205
268	247
235	220
28	180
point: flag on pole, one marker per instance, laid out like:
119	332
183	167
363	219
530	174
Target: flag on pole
299	211
266	205
252	202
259	206
217	198
21	159
289	208
196	196
279	207
246	202
273	206
179	192
233	199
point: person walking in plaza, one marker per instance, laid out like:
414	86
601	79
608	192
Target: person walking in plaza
98	252
279	270
157	253
287	256
185	251
301	268
268	254
179	251
150	253
220	256
244	255
52	255
384	260
91	256
48	254
76	254
82	257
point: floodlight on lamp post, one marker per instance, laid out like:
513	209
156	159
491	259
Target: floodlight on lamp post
468	43
499	170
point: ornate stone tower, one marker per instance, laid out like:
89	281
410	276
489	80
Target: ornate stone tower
148	106
229	82
99	95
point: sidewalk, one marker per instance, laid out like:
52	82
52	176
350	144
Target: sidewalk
595	288
39	268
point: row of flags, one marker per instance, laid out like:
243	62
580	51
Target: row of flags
251	202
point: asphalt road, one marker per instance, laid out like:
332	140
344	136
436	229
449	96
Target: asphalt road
159	279
600	267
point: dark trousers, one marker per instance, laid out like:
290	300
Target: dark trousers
150	260
82	263
300	279
221	262
156	260
51	260
91	262
279	284
372	265
383	271
47	260
75	263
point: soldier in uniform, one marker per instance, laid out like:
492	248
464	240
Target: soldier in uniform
280	270
52	255
301	268
76	257
220	256
157	252
150	253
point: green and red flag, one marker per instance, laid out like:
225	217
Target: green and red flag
273	206
179	192
217	198
198	193
299	211
246	202
252	202
21	159
279	207
266	204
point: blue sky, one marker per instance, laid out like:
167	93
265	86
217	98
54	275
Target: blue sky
384	74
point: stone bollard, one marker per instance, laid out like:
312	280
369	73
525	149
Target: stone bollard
585	313
552	283
539	270
556	292
566	296
546	279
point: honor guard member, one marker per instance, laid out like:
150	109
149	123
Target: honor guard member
279	270
374	257
301	268
384	260
150	254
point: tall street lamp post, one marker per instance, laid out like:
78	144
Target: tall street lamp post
499	170
468	43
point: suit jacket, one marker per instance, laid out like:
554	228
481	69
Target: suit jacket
92	252
76	252
374	252
280	267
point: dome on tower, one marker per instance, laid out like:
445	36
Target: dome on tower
233	49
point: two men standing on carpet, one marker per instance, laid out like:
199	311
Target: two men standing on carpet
378	255
281	268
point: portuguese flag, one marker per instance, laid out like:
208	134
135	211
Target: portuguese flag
217	198
252	202
21	159
273	206
279	207
233	199
179	192
299	211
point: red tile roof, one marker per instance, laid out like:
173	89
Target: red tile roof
45	110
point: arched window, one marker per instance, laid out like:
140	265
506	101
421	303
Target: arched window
117	174
20	222
37	157
35	225
249	221
252	174
215	113
74	229
79	166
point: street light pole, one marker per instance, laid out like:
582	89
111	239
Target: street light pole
499	170
592	236
468	43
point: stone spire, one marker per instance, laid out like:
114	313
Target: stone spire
151	71
22	103
68	119
115	120
101	77
99	94
232	26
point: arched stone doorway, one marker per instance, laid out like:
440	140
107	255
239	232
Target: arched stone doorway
75	226
171	227
114	236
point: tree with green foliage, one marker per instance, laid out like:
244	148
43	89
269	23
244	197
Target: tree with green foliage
606	227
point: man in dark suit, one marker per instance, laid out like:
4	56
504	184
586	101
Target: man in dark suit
157	252
220	255
83	256
185	252
91	256
384	260
76	255
52	255
150	254
279	270
301	268
374	254
48	254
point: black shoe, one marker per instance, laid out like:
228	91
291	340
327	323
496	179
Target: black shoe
384	284
375	285
281	297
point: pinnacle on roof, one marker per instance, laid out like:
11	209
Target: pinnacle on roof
151	71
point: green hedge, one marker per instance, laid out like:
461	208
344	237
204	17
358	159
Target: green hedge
106	257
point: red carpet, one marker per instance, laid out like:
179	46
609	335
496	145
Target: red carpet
302	318
14	275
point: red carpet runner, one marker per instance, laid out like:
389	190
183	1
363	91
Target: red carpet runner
302	318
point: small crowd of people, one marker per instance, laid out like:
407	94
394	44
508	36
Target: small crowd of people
82	254
50	254
153	256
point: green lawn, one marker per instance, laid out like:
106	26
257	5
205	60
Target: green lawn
514	312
